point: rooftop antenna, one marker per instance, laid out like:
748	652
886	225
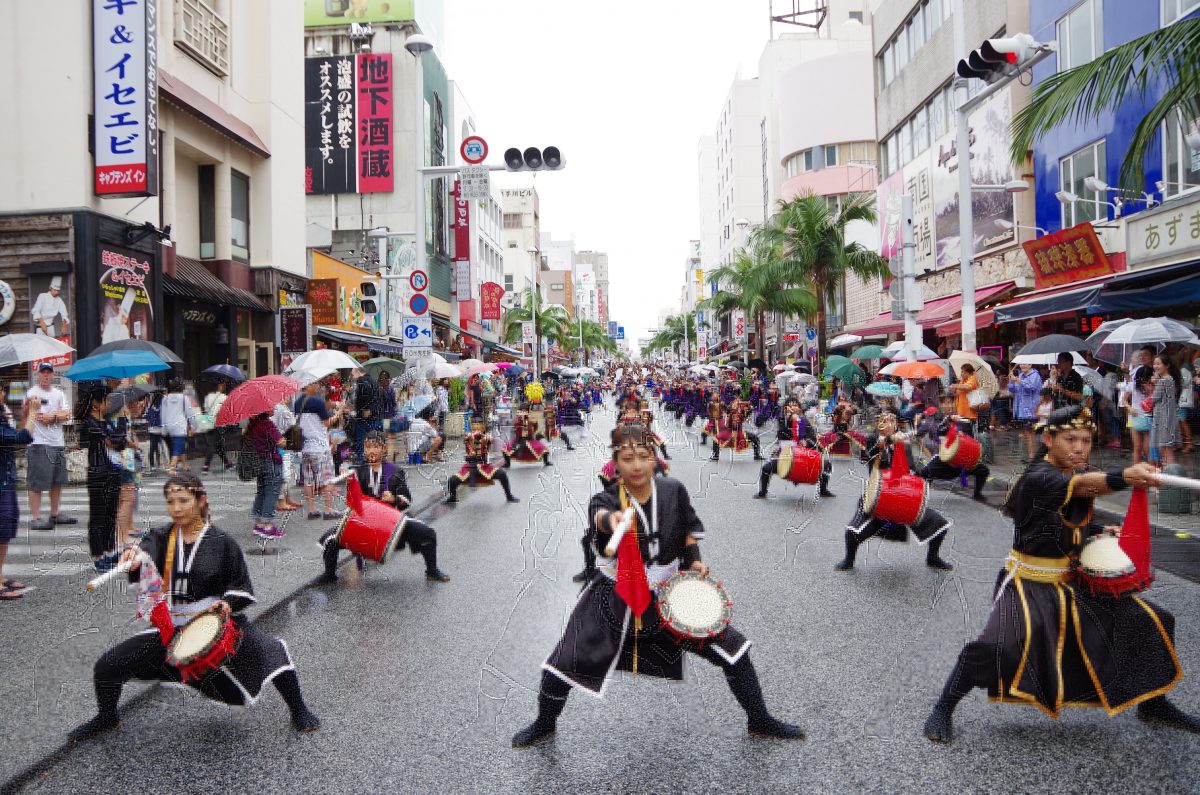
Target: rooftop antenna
812	16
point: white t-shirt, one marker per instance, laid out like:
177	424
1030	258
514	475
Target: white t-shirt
50	435
418	432
175	412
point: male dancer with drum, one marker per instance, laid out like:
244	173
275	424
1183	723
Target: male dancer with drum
602	633
477	470
386	482
1047	642
793	429
882	446
203	569
945	425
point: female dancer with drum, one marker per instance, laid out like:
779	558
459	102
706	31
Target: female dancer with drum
930	527
735	438
1048	643
795	430
602	633
203	571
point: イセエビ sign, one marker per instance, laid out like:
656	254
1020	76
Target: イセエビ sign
125	96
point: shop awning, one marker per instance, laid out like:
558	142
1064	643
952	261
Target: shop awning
193	280
941	310
502	348
1065	298
953	327
1152	288
189	99
372	343
882	324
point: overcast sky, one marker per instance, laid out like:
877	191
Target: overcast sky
624	89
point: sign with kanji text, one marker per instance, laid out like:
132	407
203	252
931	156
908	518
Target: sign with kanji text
490	296
701	352
792	326
294	324
527	331
348	132
417	333
475	182
462	279
791	337
739	324
125	97
1067	256
612	328
1166	234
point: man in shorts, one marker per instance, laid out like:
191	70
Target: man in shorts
46	458
316	459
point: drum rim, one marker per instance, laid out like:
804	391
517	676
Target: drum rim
1108	574
781	470
662	604
872	489
222	627
394	539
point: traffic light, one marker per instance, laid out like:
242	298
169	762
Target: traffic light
998	58
367	293
533	159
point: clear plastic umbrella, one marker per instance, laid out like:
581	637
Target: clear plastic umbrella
1115	340
20	348
325	357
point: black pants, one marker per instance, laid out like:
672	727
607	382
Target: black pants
937	469
500	476
159	455
214	444
104	492
420	538
769	469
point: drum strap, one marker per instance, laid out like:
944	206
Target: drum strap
169	569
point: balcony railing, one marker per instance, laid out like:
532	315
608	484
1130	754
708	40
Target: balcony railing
202	32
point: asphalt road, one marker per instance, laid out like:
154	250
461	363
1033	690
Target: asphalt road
420	685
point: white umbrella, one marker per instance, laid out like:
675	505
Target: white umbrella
897	353
1045	358
1115	339
1091	377
20	348
445	370
306	377
325	357
842	340
467	364
983	371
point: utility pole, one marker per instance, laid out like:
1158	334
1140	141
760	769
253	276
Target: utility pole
966	227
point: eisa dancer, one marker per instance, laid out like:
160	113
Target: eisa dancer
524	445
882	447
478	471
1047	642
602	632
386	482
795	430
203	568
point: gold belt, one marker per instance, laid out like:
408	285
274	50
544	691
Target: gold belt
1037	569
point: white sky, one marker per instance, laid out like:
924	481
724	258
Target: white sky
625	89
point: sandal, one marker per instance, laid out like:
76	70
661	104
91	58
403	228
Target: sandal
9	594
13	585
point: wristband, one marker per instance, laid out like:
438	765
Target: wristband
1116	480
691	554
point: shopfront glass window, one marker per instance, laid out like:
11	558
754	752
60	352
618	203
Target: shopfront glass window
1181	166
206	188
1080	38
239	220
1074	170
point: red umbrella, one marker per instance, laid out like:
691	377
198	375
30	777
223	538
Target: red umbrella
256	396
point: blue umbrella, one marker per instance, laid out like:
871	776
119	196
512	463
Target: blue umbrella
116	364
884	389
515	370
226	371
414	406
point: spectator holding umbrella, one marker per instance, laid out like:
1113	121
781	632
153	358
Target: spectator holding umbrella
265	440
46	458
1068	388
1164	405
177	412
215	438
104	444
1187	401
316	460
10	513
1025	384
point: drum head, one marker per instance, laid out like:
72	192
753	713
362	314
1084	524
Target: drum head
783	467
694	606
871	490
1103	557
195	639
946	452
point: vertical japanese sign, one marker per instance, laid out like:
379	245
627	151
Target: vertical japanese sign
462	244
330	151
125	96
348	124
490	295
374	123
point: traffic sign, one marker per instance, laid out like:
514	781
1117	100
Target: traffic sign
792	326
474	183
812	333
418	280
474	149
418	333
620	332
418	304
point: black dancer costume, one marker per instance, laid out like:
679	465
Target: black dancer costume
197	576
1048	643
793	429
477	471
937	426
419	537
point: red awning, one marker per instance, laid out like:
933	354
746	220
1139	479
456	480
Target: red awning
189	99
882	324
941	310
954	327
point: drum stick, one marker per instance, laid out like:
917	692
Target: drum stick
1178	482
349	473
121	568
622	528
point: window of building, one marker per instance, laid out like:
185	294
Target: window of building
239	216
512	220
808	160
1080	35
508	282
1073	170
1174	10
1181	163
856	16
206	179
512	244
938	115
916	31
906	152
921	131
888	59
831	156
900	43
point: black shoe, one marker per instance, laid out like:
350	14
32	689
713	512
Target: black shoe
450	500
306	721
715	457
978	497
584	575
758	457
827	493
939	726
532	734
60	519
771	727
666	457
845	565
327	578
936	562
762	495
97	725
511	498
437	575
1159	710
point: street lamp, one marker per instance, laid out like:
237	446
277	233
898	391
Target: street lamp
1067	197
418	45
533	305
1100	186
1012	186
1006	225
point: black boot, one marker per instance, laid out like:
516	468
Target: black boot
743	683
507	461
303	718
432	572
758	456
939	726
568	441
764	478
1159	710
980	480
551	700
508	495
716	452
546	460
852	543
452	485
330	556
666	456
932	559
107	696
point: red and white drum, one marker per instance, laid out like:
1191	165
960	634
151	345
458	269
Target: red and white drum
961	451
799	464
373	533
899	499
1105	569
203	644
694	607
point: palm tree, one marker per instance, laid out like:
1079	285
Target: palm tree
1169	56
552	319
815	252
758	282
675	331
595	338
